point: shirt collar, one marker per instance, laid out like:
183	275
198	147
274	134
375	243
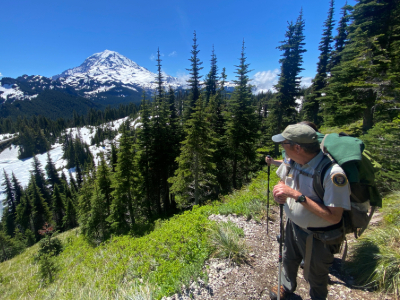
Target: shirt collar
315	161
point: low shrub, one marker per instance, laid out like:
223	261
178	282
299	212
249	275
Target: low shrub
227	241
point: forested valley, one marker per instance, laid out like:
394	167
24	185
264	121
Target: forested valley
194	147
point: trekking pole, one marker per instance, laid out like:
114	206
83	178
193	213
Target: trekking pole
269	170
280	250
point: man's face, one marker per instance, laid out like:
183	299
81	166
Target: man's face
290	149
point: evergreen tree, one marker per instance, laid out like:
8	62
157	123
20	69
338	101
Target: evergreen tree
211	78
215	110
194	179
125	183
40	180
40	210
341	38
97	227
8	222
283	110
58	207
9	202
24	213
159	77
311	105
18	190
79	174
113	157
84	204
241	125
145	144
103	180
70	217
73	184
195	77
361	82
52	173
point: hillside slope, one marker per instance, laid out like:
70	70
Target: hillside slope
173	253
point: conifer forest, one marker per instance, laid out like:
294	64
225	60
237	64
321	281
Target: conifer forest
195	145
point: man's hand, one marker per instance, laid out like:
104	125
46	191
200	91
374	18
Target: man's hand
269	160
281	192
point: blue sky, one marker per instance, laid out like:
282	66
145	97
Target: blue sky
47	37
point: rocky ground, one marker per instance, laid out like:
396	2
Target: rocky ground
253	279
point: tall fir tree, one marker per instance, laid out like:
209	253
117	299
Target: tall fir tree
52	174
144	141
159	78
40	180
70	219
194	179
211	81
122	216
241	125
58	207
361	83
40	209
18	190
113	157
341	38
311	104
104	181
283	110
10	201
24	213
195	77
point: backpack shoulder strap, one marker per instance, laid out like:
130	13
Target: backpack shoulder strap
319	174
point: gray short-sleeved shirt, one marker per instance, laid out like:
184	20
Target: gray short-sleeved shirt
336	194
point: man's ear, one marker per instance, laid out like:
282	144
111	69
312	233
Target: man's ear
298	148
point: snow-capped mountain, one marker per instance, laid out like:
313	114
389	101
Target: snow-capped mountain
101	71
105	78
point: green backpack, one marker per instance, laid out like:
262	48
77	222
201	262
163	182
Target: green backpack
360	170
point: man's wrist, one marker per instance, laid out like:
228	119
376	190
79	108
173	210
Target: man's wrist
301	199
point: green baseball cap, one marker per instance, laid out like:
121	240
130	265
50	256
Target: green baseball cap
298	133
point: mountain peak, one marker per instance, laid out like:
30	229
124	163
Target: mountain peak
109	67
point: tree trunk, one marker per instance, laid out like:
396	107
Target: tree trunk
368	117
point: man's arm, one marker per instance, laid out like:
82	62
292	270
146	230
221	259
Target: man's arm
331	214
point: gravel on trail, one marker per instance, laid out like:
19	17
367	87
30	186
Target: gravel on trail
252	280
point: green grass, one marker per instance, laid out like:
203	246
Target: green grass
227	240
127	267
375	259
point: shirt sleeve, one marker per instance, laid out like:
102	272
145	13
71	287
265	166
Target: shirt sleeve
281	172
337	188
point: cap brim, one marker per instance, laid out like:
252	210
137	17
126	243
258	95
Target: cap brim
278	138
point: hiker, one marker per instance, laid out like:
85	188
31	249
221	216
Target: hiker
308	216
276	162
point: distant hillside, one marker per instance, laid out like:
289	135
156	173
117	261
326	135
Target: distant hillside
50	103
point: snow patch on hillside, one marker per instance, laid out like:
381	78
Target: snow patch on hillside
22	168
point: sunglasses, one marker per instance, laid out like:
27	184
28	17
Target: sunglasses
285	143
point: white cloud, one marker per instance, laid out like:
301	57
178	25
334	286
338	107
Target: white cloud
306	81
173	53
1	75
264	81
182	77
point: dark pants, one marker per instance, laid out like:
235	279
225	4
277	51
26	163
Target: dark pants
293	253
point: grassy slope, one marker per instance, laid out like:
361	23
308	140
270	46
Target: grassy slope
164	259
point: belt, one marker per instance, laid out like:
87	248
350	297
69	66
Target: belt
327	228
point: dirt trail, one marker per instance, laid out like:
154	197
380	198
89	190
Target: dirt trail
252	280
